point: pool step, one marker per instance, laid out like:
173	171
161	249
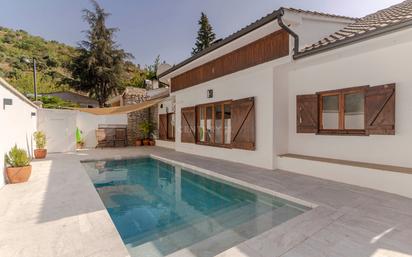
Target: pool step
189	216
232	237
238	225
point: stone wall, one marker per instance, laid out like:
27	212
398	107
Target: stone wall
134	119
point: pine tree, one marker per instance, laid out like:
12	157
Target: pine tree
205	35
99	68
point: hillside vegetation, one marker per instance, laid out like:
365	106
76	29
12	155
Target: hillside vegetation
53	63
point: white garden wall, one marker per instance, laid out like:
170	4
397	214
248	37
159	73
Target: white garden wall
60	127
17	124
88	123
373	62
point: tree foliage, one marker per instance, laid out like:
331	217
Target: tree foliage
205	34
99	69
54	102
55	65
52	60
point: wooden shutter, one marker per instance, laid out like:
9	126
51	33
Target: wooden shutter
188	121
163	126
243	124
380	110
307	120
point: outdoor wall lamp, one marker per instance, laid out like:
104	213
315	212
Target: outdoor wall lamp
33	114
7	101
210	93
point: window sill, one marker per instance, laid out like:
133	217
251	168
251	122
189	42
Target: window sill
215	145
342	133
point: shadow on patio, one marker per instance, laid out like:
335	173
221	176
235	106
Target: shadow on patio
69	190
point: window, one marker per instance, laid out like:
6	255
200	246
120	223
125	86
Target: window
213	124
352	111
342	111
228	124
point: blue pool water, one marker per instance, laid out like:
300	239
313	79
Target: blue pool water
161	209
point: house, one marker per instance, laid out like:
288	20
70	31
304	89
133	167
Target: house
302	91
81	100
20	114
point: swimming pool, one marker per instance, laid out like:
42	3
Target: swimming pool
161	209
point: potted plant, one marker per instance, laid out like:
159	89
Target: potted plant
146	128
18	165
138	142
40	138
79	140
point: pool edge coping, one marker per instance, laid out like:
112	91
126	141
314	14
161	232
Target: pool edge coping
237	181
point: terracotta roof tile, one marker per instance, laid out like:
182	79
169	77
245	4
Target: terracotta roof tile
393	15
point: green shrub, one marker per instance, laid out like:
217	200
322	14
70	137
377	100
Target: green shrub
40	139
17	157
146	128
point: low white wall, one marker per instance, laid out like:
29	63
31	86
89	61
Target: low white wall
88	123
17	126
392	182
374	62
254	82
60	127
165	144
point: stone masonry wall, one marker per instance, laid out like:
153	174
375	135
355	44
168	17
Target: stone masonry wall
134	119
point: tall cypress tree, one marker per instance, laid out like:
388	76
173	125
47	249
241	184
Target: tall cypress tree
99	68
205	35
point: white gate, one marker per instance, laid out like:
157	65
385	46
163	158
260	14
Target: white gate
60	129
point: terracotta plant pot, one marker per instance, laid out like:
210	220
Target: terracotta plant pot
138	142
79	145
146	142
40	153
18	174
152	142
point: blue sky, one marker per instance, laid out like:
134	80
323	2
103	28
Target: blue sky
165	27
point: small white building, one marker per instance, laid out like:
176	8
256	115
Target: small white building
303	91
19	121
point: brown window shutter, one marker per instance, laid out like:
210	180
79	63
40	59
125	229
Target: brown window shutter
307	120
188	121
380	110
243	124
163	126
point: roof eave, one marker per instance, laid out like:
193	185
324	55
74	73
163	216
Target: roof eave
355	39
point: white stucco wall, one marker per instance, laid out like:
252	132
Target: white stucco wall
373	62
88	123
256	82
17	126
310	30
60	127
167	106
